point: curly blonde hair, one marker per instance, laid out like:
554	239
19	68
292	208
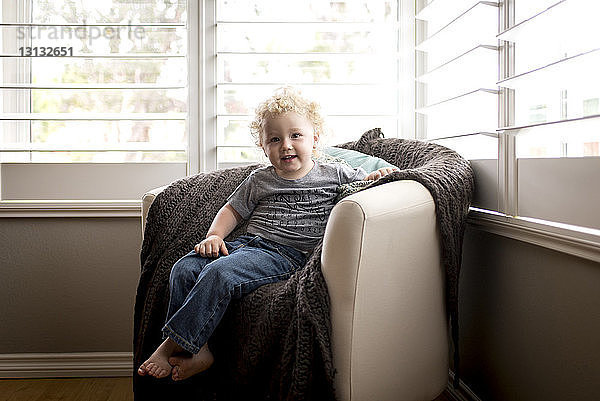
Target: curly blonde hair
286	99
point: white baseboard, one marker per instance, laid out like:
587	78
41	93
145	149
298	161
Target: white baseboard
84	364
463	392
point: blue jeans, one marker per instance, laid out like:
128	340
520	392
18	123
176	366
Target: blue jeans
201	288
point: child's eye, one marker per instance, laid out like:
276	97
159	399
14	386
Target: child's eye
296	135
274	139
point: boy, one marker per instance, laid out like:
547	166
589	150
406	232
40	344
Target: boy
287	205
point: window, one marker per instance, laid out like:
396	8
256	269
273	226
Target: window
151	90
513	87
94	98
344	54
457	95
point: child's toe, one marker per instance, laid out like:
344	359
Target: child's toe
152	369
142	370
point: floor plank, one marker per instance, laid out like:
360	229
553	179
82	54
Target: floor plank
78	389
13	390
122	391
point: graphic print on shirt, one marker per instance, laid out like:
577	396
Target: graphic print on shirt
301	210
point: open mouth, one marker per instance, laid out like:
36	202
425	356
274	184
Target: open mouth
288	157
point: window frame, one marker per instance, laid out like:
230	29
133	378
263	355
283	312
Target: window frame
118	207
505	220
403	115
202	134
576	240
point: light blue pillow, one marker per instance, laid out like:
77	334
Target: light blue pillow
358	159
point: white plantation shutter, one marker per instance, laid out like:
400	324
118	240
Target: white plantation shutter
556	115
523	105
343	54
107	121
457	96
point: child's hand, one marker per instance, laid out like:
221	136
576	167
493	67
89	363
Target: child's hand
211	246
375	175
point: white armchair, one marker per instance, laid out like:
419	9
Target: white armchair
381	262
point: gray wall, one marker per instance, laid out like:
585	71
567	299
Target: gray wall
68	284
530	317
530	321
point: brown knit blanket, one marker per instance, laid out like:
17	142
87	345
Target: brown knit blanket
274	344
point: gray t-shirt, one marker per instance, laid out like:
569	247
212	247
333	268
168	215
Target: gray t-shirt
291	212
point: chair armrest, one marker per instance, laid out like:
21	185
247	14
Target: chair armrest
381	262
147	200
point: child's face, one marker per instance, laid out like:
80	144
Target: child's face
288	141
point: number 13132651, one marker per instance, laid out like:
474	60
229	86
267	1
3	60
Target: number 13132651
46	51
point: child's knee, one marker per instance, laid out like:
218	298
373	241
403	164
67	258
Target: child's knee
219	273
187	268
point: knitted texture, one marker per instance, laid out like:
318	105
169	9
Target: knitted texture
274	344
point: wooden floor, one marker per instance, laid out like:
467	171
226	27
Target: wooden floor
88	389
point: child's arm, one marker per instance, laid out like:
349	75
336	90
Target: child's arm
225	221
375	175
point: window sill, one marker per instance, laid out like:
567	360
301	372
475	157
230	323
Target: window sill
577	241
73	208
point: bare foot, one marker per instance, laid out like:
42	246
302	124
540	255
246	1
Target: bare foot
158	363
184	367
